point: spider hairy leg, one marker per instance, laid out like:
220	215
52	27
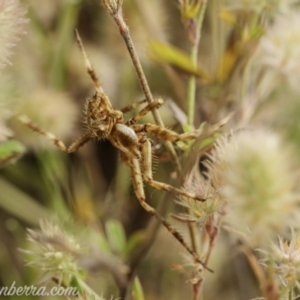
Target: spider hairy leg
140	194
166	134
153	105
58	143
147	174
133	106
91	72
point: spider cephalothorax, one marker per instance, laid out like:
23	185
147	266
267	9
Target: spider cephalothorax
104	122
99	117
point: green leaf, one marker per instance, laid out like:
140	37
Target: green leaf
76	284
20	204
103	244
165	53
138	293
190	11
228	17
187	128
116	236
257	32
134	241
10	151
207	142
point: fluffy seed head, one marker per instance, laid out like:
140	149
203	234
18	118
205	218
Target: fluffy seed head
279	49
200	211
12	22
53	251
284	259
253	172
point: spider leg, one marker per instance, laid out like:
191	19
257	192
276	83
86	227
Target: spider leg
58	143
147	174
133	106
166	134
153	105
91	71
140	194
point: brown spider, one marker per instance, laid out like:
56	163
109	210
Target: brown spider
102	121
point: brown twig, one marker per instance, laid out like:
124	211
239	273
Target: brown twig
115	10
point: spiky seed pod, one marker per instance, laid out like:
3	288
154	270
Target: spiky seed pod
279	49
253	171
12	21
284	259
53	251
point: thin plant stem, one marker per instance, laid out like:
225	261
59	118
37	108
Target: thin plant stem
192	227
193	234
211	243
291	294
194	58
196	290
137	289
191	105
125	33
258	272
89	292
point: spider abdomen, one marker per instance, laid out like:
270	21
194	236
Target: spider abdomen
126	140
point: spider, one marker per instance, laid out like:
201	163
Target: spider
102	121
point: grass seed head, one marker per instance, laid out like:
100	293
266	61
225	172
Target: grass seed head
253	170
12	21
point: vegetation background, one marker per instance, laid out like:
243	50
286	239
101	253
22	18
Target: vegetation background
248	63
